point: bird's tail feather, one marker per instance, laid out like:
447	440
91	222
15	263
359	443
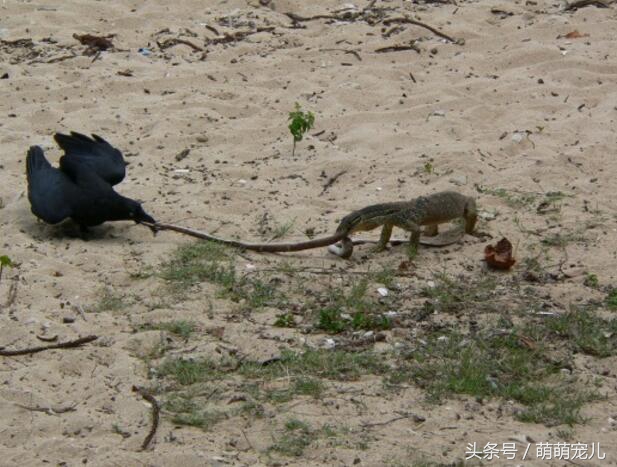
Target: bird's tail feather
35	160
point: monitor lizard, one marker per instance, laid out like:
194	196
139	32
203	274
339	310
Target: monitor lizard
430	211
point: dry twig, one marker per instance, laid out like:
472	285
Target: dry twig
62	345
48	410
407	20
332	180
583	3
398	48
416	418
156	410
175	41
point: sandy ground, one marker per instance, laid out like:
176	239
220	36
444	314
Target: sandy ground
516	106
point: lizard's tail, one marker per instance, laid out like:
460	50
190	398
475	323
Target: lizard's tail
264	247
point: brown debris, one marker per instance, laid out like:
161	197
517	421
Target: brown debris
572	35
175	41
238	35
95	43
499	256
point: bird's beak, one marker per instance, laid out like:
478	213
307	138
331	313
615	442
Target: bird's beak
145	218
148	221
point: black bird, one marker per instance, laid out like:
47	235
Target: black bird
82	187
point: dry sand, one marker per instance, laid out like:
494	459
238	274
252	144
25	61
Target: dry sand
517	106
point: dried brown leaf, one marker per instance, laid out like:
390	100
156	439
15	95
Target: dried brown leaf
499	256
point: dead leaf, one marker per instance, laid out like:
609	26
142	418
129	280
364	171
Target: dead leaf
499	256
574	35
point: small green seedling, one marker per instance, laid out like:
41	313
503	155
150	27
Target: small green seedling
591	280
301	122
5	261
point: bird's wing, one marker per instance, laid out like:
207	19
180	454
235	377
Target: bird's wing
95	153
50	191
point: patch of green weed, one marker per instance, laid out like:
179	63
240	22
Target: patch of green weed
495	365
204	419
584	332
454	295
336	365
296	438
188	372
110	301
352	310
286	320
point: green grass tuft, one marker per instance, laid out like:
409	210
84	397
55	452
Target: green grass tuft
183	329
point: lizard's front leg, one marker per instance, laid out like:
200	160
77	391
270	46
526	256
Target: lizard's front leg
345	250
470	215
384	238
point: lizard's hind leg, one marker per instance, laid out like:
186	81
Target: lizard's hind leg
416	231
